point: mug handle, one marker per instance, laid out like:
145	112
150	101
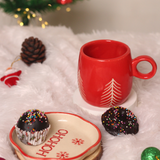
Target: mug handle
138	74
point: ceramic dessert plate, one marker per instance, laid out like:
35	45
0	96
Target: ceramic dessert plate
70	137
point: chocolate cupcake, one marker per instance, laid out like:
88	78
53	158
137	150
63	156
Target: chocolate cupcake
32	127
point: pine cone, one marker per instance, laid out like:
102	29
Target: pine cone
33	51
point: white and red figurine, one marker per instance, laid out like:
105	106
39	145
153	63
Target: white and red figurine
11	76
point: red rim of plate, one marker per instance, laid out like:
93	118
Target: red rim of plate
26	155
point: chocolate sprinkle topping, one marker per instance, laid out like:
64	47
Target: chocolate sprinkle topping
32	121
118	120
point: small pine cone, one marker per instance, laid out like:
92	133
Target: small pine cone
33	51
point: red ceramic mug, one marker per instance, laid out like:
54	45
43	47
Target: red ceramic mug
106	70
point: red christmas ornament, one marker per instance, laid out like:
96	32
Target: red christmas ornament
64	1
11	76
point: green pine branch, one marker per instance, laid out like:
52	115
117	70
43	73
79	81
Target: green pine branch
10	6
19	7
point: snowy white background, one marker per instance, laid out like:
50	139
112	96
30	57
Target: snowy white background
50	86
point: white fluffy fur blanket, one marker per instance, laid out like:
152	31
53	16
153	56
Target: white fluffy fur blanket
50	86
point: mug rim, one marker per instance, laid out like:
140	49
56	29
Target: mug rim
105	40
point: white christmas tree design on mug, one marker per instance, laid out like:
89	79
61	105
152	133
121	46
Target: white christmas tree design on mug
80	84
111	94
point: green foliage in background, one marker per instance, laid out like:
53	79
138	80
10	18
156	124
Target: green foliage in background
19	7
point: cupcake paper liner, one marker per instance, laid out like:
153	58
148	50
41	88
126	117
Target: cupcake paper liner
32	138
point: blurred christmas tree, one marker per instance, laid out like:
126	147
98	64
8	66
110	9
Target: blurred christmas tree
25	10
